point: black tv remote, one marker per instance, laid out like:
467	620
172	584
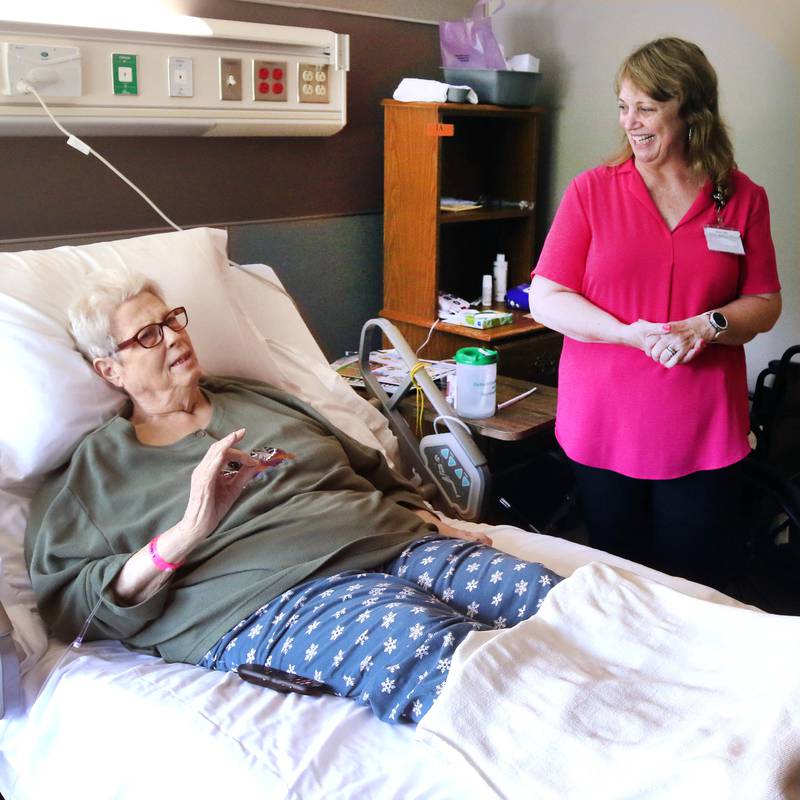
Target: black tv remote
281	681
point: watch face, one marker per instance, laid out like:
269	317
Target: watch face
718	320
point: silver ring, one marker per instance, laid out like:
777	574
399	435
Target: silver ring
671	350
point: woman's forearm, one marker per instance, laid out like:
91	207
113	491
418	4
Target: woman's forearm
140	578
573	315
748	316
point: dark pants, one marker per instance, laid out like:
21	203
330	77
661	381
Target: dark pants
690	526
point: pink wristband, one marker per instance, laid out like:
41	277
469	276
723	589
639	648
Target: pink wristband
164	566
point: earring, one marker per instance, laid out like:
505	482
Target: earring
691	132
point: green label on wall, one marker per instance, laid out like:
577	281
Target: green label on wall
126	80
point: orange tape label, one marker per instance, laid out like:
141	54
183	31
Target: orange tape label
440	129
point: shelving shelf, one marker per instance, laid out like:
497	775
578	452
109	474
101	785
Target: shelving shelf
435	150
454	217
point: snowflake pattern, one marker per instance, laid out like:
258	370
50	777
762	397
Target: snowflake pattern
401	671
415	631
254	631
362	638
336	633
388	620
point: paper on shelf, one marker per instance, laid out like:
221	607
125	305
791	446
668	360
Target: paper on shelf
389	369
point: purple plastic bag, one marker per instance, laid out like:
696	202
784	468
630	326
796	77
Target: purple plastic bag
470	43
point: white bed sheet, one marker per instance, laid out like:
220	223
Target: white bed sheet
653	693
115	724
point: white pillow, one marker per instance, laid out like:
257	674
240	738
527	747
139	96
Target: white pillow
51	397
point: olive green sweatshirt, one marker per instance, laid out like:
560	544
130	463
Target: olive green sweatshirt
333	506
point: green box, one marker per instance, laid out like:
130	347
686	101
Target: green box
124	74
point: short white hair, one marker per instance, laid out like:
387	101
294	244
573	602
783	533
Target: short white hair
91	313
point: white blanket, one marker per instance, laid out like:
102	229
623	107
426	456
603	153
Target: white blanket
623	688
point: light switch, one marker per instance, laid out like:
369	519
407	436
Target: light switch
181	77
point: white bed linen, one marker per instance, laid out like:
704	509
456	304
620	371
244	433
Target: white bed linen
625	688
114	724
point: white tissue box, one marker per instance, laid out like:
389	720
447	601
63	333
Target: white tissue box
524	62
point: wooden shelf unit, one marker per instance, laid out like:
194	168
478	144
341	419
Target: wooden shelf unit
435	150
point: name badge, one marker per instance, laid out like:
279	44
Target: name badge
724	240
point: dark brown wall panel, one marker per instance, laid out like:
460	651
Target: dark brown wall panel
49	189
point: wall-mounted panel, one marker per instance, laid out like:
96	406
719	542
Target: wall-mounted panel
223	78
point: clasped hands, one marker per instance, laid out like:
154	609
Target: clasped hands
673	343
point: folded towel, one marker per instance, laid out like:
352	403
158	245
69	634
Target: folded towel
412	90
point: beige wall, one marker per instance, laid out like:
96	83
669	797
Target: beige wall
418	10
753	47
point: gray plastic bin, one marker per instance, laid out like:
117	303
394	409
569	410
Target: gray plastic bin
503	87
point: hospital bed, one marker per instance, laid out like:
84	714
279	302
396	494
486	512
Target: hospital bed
628	683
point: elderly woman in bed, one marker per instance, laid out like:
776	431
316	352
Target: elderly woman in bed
219	521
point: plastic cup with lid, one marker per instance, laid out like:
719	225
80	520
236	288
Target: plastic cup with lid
476	382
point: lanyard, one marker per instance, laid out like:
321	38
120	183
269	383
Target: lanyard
718	195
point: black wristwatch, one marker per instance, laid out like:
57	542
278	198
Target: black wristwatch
718	321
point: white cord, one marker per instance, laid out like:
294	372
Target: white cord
430	333
81	146
452	419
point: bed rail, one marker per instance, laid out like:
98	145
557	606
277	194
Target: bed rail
451	461
9	667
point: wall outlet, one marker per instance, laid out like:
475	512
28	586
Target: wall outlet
269	80
54	71
230	79
180	76
313	83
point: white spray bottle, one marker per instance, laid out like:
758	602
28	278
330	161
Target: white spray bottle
500	272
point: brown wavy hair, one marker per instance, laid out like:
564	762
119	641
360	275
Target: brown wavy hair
672	68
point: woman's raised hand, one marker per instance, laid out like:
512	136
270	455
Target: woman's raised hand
213	488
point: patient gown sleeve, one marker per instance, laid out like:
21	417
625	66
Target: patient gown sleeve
72	565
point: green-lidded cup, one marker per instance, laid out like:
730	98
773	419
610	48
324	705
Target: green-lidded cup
476	382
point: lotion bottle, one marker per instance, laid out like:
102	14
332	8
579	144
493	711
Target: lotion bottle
500	272
486	292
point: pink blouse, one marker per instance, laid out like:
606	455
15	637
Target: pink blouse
617	408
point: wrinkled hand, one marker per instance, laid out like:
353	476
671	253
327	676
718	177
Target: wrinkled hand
212	494
679	342
449	530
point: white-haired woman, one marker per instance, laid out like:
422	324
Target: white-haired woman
221	521
658	267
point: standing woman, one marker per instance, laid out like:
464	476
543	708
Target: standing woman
658	267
